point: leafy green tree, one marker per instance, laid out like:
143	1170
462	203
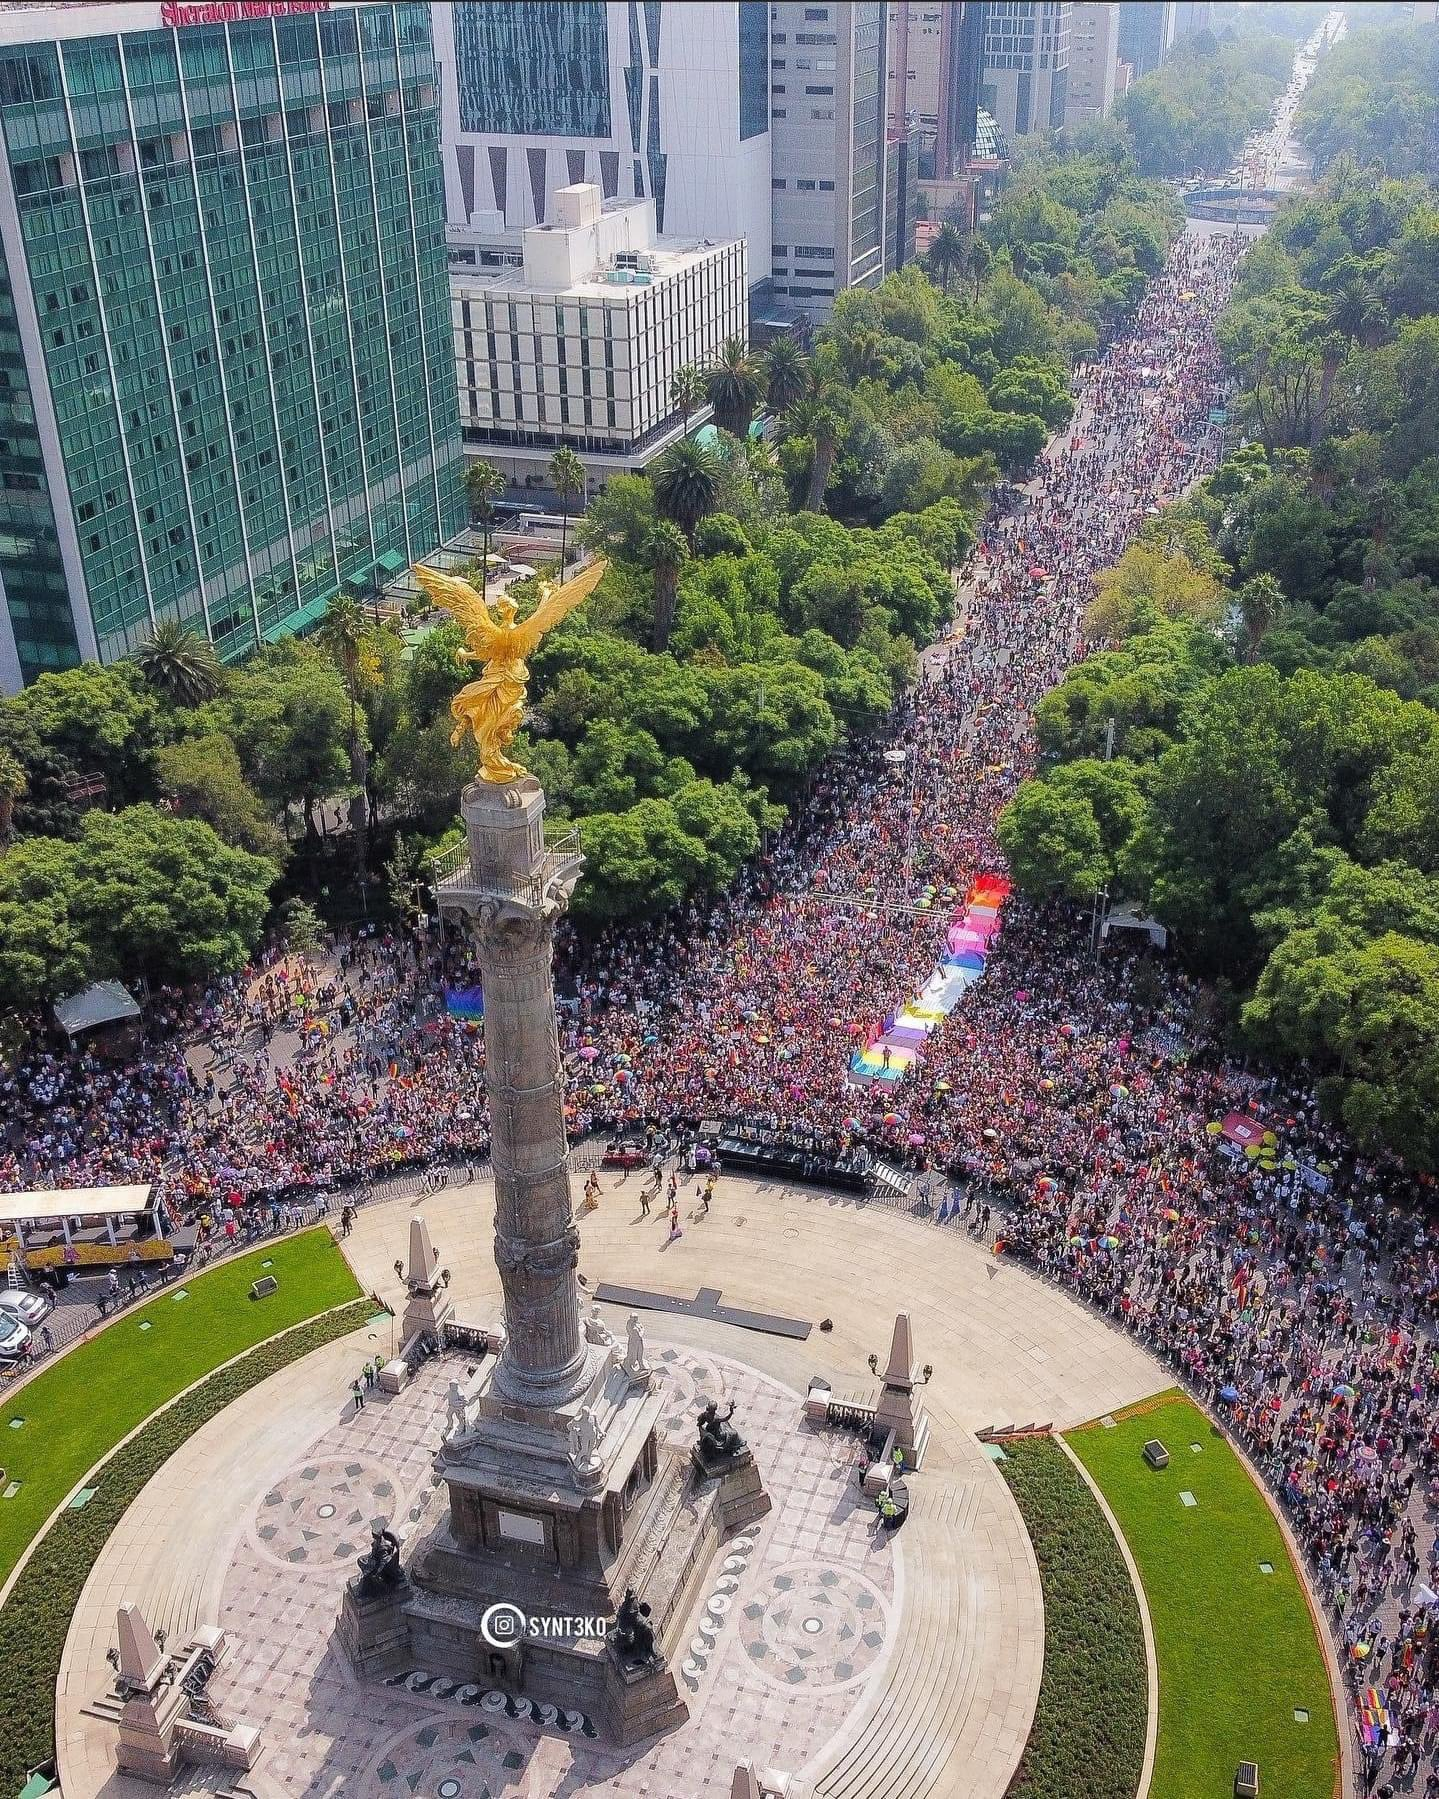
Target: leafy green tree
287	713
43	956
302	926
203	778
686	484
103	720
620	517
180	664
13	784
567	477
1145	686
342	635
1070	833
1356	993
139	894
721	534
1051	841
1145	584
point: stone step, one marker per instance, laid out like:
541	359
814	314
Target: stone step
897	1752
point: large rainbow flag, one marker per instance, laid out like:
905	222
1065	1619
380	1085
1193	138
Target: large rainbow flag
896	1046
1375	1724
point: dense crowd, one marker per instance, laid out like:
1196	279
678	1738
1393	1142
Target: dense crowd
1074	1090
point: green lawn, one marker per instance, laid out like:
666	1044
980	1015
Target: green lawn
82	1405
1237	1648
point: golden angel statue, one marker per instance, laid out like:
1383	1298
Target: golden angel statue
493	708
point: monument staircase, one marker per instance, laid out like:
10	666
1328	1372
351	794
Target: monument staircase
903	1739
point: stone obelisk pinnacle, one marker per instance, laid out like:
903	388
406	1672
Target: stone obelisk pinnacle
520	889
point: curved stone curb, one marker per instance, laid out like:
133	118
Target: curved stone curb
1151	1729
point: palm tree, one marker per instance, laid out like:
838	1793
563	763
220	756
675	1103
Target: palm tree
946	254
180	664
735	384
667	553
861	354
12	788
687	392
786	375
483	486
343	636
1260	602
816	418
567	477
686	482
978	258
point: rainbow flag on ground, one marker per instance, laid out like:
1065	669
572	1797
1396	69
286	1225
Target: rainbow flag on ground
896	1047
465	1002
1375	1724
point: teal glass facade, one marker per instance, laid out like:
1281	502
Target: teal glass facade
35	592
234	238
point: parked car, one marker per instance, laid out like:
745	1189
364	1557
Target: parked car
14	1339
29	1308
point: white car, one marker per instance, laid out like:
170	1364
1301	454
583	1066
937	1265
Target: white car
30	1308
14	1338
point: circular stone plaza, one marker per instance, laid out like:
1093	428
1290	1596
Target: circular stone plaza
818	1646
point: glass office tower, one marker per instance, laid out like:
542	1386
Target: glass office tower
229	386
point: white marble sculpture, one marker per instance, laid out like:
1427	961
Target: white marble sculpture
635	1361
456	1405
597	1331
584	1439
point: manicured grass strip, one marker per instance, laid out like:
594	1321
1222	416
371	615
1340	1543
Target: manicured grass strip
1237	1648
83	1404
1088	1730
36	1617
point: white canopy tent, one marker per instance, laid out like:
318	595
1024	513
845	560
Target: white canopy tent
68	1206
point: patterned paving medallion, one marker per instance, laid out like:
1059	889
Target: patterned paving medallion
451	1759
813	1626
690	1381
323	1512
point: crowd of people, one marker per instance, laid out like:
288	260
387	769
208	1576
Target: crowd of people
1074	1091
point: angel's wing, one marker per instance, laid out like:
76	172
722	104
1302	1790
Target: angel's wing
458	597
560	600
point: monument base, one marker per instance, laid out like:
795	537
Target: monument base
639	1702
740	1497
374	1630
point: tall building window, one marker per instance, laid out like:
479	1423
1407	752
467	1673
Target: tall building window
533	68
753	68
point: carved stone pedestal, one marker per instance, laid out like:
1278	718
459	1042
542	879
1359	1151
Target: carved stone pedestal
374	1629
740	1497
639	1702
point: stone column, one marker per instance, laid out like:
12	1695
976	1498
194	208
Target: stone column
517	899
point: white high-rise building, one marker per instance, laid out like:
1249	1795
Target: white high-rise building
1093	59
571	332
1025	80
663	101
827	128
